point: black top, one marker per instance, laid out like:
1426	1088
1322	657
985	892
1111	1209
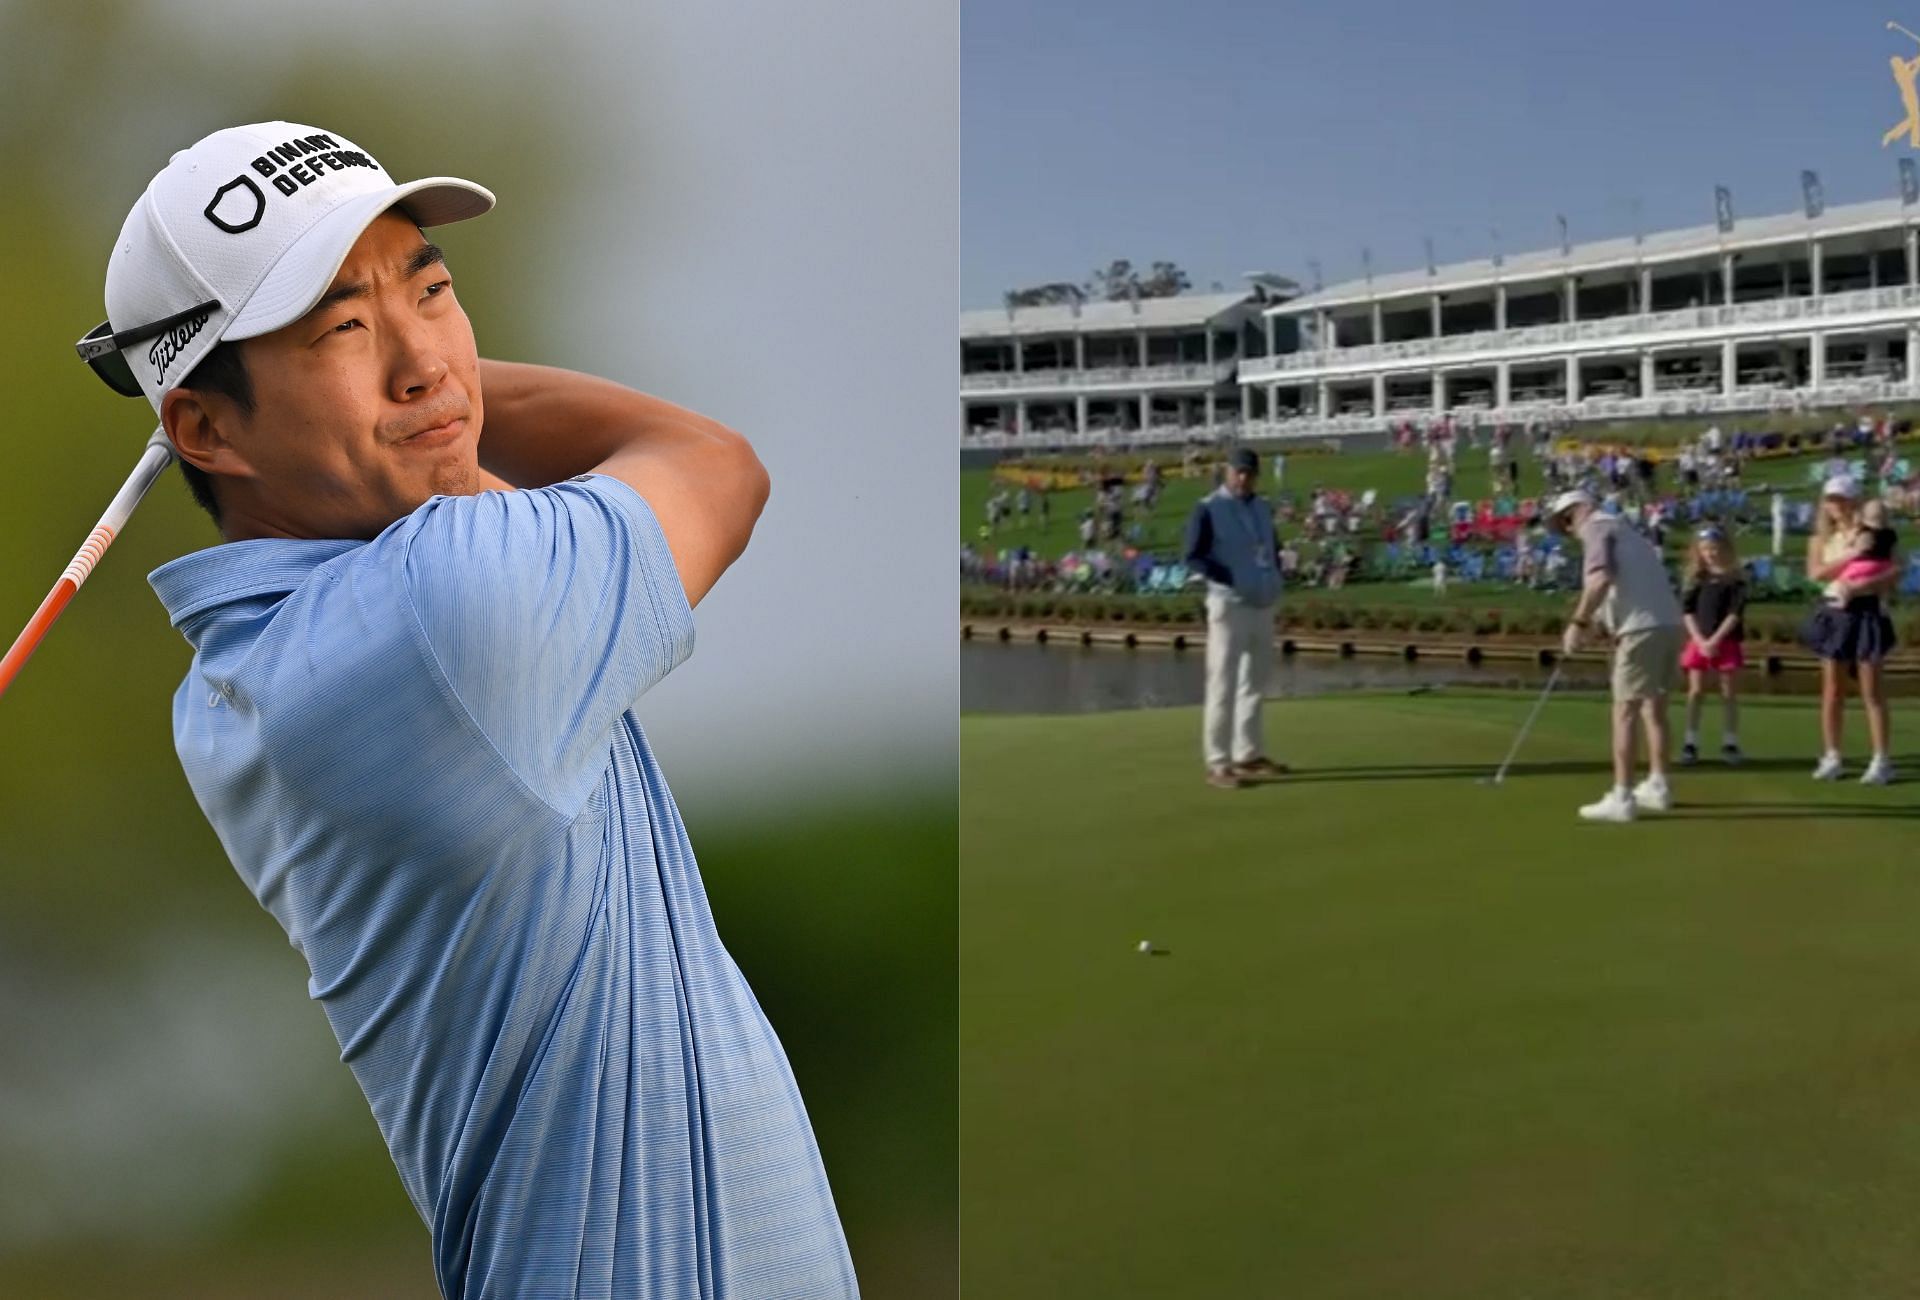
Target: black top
1710	599
1884	540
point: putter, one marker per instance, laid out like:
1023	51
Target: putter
153	461
1526	726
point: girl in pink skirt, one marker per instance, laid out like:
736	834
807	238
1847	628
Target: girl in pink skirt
1714	600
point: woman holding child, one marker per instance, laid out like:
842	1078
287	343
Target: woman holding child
1851	551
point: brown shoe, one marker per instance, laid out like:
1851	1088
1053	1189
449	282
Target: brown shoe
1223	778
1261	767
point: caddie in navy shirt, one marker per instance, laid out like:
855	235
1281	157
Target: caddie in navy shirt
409	717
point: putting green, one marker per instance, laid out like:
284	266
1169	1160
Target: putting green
1418	1036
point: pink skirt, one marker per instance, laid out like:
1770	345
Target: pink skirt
1728	657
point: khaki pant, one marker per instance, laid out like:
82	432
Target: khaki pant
1646	664
1239	655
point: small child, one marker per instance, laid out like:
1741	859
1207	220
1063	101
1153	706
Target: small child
1872	559
1713	604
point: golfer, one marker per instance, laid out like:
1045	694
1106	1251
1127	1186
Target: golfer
1231	539
1625	586
409	717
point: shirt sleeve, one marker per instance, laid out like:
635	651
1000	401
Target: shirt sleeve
1690	599
548	613
1200	545
1597	552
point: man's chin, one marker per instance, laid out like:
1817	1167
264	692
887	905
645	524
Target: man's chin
454	478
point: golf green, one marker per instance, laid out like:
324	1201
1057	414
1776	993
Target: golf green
1414	1035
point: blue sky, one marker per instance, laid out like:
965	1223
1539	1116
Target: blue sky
1231	136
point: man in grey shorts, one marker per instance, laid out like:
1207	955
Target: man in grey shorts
1626	586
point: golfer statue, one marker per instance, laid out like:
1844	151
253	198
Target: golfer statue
443	586
1624	586
1231	540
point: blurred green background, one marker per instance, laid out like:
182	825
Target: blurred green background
173	1116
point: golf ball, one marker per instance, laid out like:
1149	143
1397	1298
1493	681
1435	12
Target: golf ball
1146	945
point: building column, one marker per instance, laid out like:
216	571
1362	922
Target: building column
1019	357
1079	352
1020	416
1571	292
1645	302
1439	392
1211	410
1379	315
1873	269
1433	308
1380	396
1268	318
1080	414
1503	384
1209	358
1817	369
1499	306
1729	367
1142	336
1246	407
1786	274
1814	261
1146	412
1322	333
1913	357
1726	279
1913	256
1646	373
1326	399
1573	379
1273	402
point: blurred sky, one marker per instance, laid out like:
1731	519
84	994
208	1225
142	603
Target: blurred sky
745	212
1233	135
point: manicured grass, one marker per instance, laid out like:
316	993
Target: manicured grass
1420	1037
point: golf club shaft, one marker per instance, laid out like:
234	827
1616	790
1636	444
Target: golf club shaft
152	462
1527	726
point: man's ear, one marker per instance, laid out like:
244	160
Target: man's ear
200	426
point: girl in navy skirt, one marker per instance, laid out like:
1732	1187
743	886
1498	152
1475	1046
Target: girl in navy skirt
1851	631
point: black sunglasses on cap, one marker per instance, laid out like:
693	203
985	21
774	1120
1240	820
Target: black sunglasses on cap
102	347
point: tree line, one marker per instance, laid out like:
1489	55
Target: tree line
1118	281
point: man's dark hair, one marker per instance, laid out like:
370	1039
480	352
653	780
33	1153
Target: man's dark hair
222	371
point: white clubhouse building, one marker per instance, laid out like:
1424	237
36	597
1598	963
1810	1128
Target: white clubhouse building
1778	313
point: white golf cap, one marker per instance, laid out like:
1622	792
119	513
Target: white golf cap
252	222
1841	485
1567	501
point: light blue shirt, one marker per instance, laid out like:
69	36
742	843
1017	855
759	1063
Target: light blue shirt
421	756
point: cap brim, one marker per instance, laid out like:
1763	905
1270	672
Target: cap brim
300	277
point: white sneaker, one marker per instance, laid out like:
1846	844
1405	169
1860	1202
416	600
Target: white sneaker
1830	768
1653	795
1879	772
1613	808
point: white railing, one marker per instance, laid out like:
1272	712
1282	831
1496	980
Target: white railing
1159	434
1451	346
1010	381
1666	405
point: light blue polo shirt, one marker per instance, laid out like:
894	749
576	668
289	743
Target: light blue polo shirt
421	756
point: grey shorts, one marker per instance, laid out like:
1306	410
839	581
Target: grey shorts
1646	664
